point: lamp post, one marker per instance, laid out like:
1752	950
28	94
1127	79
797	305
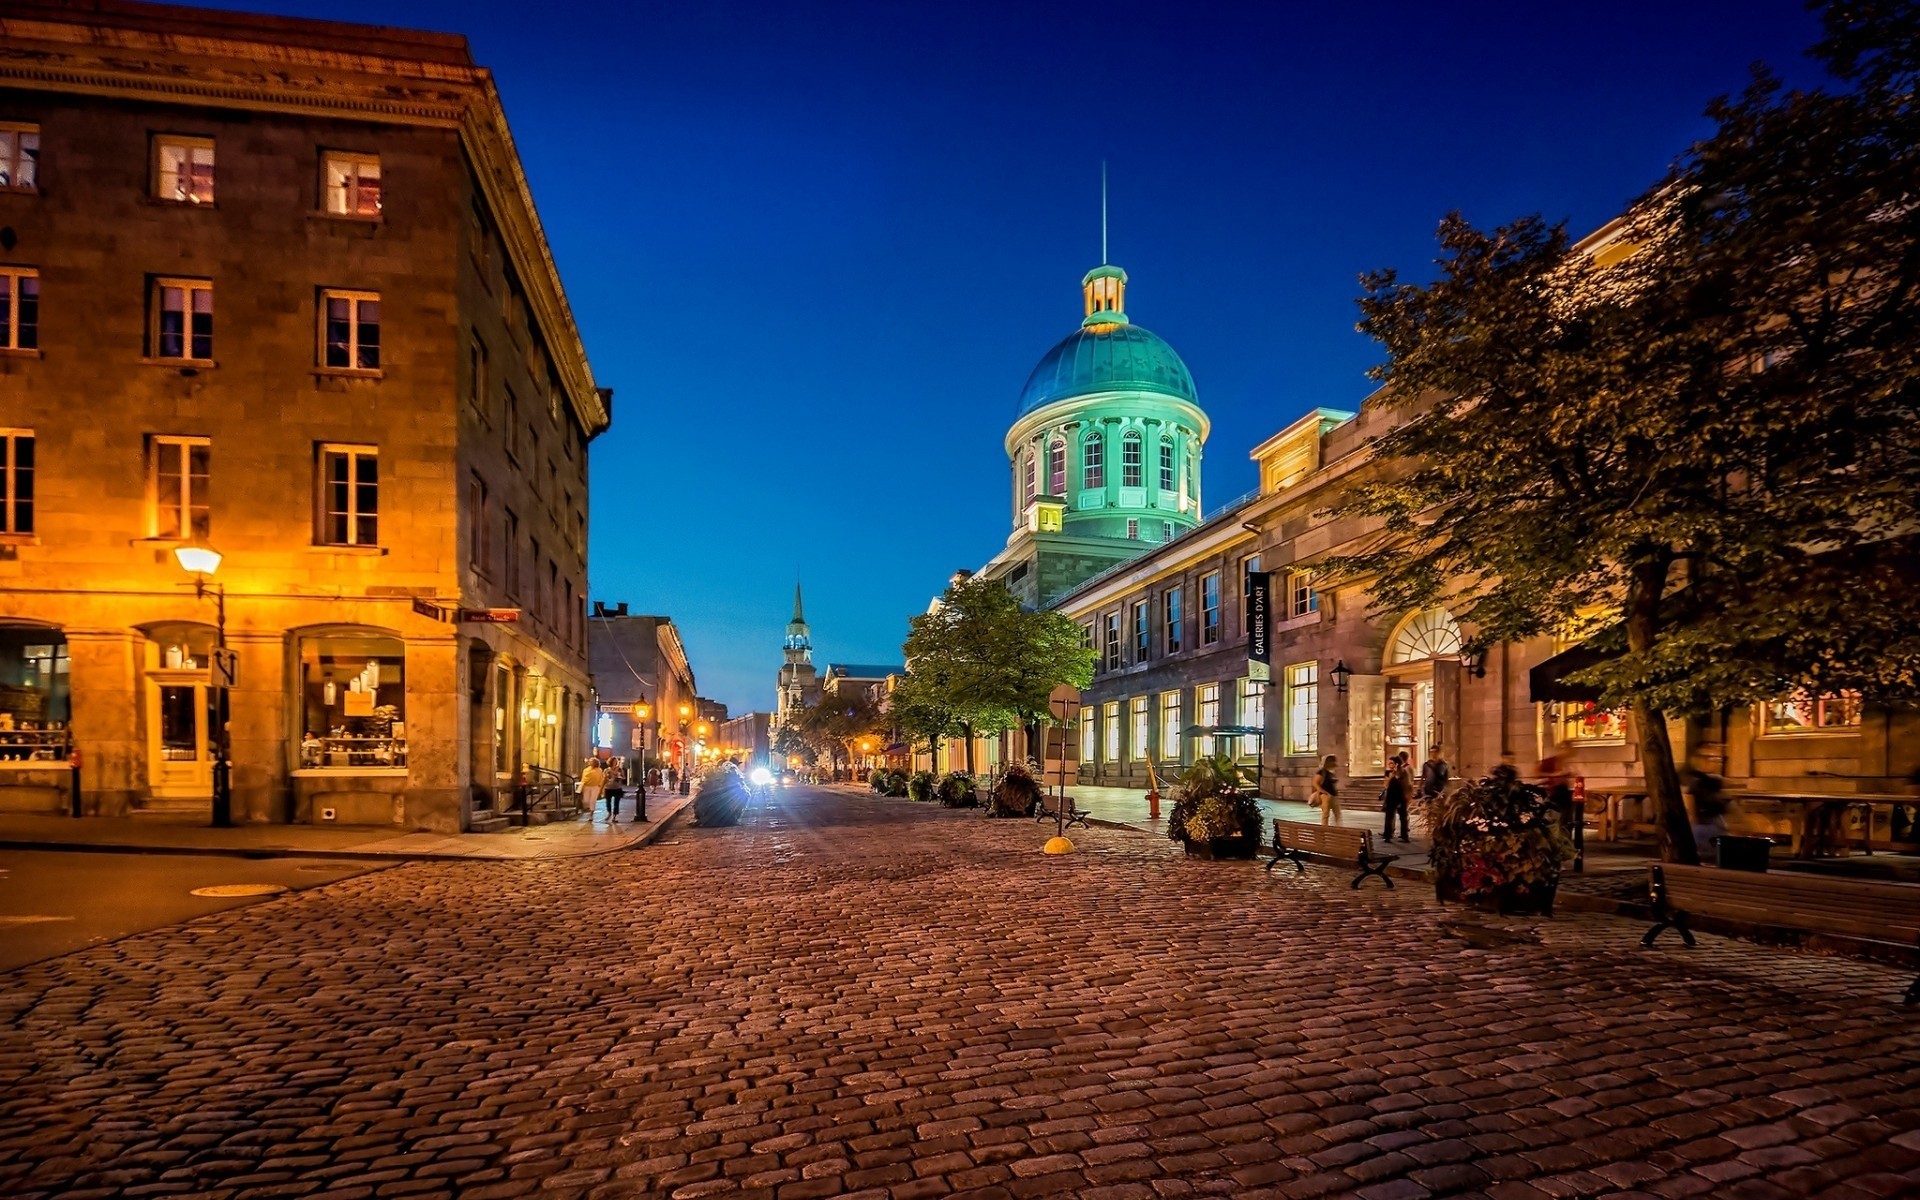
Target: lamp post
201	561
686	759
641	712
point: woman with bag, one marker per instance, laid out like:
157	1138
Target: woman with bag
1326	791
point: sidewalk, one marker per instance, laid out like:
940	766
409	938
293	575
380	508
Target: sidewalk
586	834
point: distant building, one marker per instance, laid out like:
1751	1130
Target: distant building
277	287
749	738
639	660
798	683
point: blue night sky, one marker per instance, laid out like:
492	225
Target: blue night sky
816	248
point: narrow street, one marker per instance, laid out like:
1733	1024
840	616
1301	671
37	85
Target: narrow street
855	995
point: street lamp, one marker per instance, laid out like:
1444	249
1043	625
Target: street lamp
201	561
641	712
685	759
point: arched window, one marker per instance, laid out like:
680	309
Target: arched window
1130	461
1026	475
1166	464
1424	635
1093	461
1057	467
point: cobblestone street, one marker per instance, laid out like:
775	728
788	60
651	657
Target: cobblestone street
850	995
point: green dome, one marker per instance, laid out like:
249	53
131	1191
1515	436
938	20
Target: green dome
1107	358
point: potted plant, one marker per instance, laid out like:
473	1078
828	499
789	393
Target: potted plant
1017	793
1498	844
957	790
920	786
880	780
1211	817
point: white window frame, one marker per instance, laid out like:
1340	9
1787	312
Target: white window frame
1252	713
168	456
1170	726
1303	708
1057	467
351	190
1210	609
1110	722
190	148
1206	713
1133	529
1110	641
1303	600
10	489
1590	725
1093	462
1029	480
1819	727
1132	460
1089	739
1167	478
353	452
353	300
1140	721
16	280
22	132
189	289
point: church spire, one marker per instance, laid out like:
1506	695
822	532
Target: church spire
799	643
799	618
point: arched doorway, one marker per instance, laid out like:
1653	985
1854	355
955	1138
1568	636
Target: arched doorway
177	702
1421	664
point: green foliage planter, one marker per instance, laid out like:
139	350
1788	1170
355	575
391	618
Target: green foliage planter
1211	817
1498	845
920	786
1016	795
957	790
880	780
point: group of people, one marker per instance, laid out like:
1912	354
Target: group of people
605	779
1400	786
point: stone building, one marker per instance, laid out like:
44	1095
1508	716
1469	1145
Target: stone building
798	683
641	660
278	287
749	738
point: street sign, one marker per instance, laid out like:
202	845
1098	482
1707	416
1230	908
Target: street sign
491	616
432	611
226	667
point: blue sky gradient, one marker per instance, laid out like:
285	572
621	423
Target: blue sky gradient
816	248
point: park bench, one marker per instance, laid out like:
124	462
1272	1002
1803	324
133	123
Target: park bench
1072	813
1860	908
1298	841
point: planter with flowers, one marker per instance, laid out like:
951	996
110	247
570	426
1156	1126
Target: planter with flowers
1211	816
1498	845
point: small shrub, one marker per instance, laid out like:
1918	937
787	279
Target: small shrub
1016	795
957	790
880	779
1208	804
920	786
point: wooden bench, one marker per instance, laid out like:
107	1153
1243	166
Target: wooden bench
1867	909
1298	841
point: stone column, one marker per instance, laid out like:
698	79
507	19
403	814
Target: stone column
436	707
106	724
259	727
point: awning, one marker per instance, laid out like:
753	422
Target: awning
1547	682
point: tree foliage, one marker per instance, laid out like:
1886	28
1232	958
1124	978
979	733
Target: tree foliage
829	727
1699	435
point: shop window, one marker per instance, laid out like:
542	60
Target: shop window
1170	727
1207	714
349	496
1093	462
1253	714
351	183
182	320
178	482
19	157
1805	713
353	701
350	330
36	694
1303	708
183	169
1139	719
19	308
1587	722
16	481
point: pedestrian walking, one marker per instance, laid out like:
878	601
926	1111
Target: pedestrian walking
1435	774
1326	791
1396	798
592	780
616	786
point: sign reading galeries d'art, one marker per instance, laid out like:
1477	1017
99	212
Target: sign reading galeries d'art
1259	618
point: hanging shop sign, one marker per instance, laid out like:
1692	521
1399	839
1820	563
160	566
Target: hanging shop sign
1259	622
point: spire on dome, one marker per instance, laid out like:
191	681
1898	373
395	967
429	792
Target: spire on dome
1105	289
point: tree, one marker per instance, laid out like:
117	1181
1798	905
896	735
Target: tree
989	663
1700	436
918	709
834	722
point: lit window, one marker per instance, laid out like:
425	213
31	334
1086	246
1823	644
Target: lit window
19	157
19	308
1301	598
1803	713
1140	644
1130	460
1093	462
1253	714
1208	715
1138	720
1586	721
16	481
1111	720
1112	642
1210	609
354	710
183	169
349	496
351	183
1057	467
1173	620
1170	727
1088	749
350	330
1166	464
1303	708
178	467
1086	636
182	320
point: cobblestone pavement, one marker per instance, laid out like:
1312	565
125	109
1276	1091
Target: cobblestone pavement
852	995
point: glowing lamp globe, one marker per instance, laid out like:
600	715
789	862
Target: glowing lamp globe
197	559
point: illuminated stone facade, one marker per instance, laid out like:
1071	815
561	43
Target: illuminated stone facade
295	304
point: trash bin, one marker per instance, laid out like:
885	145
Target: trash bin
1741	853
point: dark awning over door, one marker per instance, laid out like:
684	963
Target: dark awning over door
1548	681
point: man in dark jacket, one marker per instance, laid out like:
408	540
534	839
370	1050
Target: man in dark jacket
1435	774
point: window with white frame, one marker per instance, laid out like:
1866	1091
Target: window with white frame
1210	608
1133	529
350	183
350	330
1166	531
1302	599
1166	464
1803	712
1130	463
1303	708
1253	714
1093	461
183	169
1027	481
1141	642
349	496
1088	749
177	478
1585	721
182	329
16	481
1138	720
19	157
1112	641
19	308
1173	619
1206	714
1170	727
1111	721
1056	467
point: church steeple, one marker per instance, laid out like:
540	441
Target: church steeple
799	638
